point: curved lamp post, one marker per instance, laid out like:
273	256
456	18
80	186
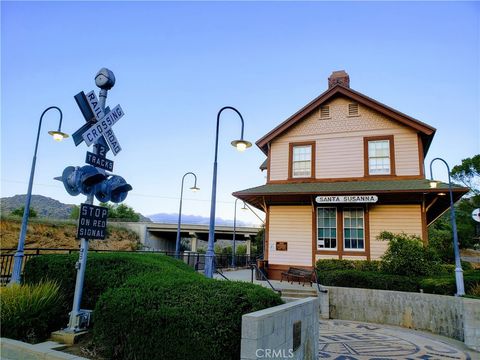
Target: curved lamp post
235	229
241	145
18	257
458	265
193	188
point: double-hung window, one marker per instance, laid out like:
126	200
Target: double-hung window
379	157
353	229
301	161
326	228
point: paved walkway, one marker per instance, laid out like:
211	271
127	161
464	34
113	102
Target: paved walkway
349	340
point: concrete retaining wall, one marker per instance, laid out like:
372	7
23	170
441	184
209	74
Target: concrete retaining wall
455	317
269	333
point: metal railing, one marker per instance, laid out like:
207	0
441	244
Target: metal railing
317	281
254	267
195	260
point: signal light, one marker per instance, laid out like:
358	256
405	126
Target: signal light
114	189
82	179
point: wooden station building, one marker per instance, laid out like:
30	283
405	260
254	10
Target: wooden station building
341	170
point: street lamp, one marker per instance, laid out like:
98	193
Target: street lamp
241	145
235	228
18	257
193	188
458	265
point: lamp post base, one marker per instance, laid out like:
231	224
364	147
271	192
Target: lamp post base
459	281
209	264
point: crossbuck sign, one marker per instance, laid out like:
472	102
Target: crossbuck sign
103	126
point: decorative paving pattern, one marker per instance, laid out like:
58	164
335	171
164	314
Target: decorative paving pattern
347	340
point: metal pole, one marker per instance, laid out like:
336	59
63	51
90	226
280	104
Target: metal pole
234	232
18	257
210	254
177	243
76	313
458	264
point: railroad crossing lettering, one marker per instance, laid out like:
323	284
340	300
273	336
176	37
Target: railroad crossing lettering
99	161
92	223
98	129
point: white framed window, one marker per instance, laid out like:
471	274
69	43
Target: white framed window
379	162
302	161
353	229
326	228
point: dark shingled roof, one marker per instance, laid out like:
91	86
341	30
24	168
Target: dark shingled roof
416	185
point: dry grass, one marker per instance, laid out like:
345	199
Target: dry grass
62	235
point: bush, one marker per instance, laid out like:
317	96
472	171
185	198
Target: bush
361	265
104	271
368	280
406	255
446	285
181	318
29	312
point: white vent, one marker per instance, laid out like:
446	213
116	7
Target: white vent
353	109
324	112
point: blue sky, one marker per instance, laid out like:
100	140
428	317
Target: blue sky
178	63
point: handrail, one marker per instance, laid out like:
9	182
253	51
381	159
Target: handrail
221	274
324	291
254	266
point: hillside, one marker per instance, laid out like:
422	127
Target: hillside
44	206
42	234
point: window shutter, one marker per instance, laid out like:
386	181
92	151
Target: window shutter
353	109
324	112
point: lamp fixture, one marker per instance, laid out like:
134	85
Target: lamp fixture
241	144
58	135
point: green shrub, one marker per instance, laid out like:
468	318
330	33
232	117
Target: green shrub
368	280
406	255
104	271
446	284
153	317
328	265
30	312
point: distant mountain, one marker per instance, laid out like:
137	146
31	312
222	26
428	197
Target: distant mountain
193	220
44	206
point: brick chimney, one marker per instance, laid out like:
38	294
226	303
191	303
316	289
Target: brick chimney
339	77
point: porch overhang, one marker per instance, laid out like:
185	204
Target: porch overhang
434	201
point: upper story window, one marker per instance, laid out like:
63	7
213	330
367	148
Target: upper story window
379	156
302	161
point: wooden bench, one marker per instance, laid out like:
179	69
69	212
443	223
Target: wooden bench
297	274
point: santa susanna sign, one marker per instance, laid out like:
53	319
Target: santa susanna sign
341	199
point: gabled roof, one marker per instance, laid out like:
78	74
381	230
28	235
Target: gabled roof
426	131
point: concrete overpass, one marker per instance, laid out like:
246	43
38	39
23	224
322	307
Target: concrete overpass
159	236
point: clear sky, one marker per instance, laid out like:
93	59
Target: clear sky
178	63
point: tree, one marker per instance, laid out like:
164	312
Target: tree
440	232
75	213
19	212
468	173
121	212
